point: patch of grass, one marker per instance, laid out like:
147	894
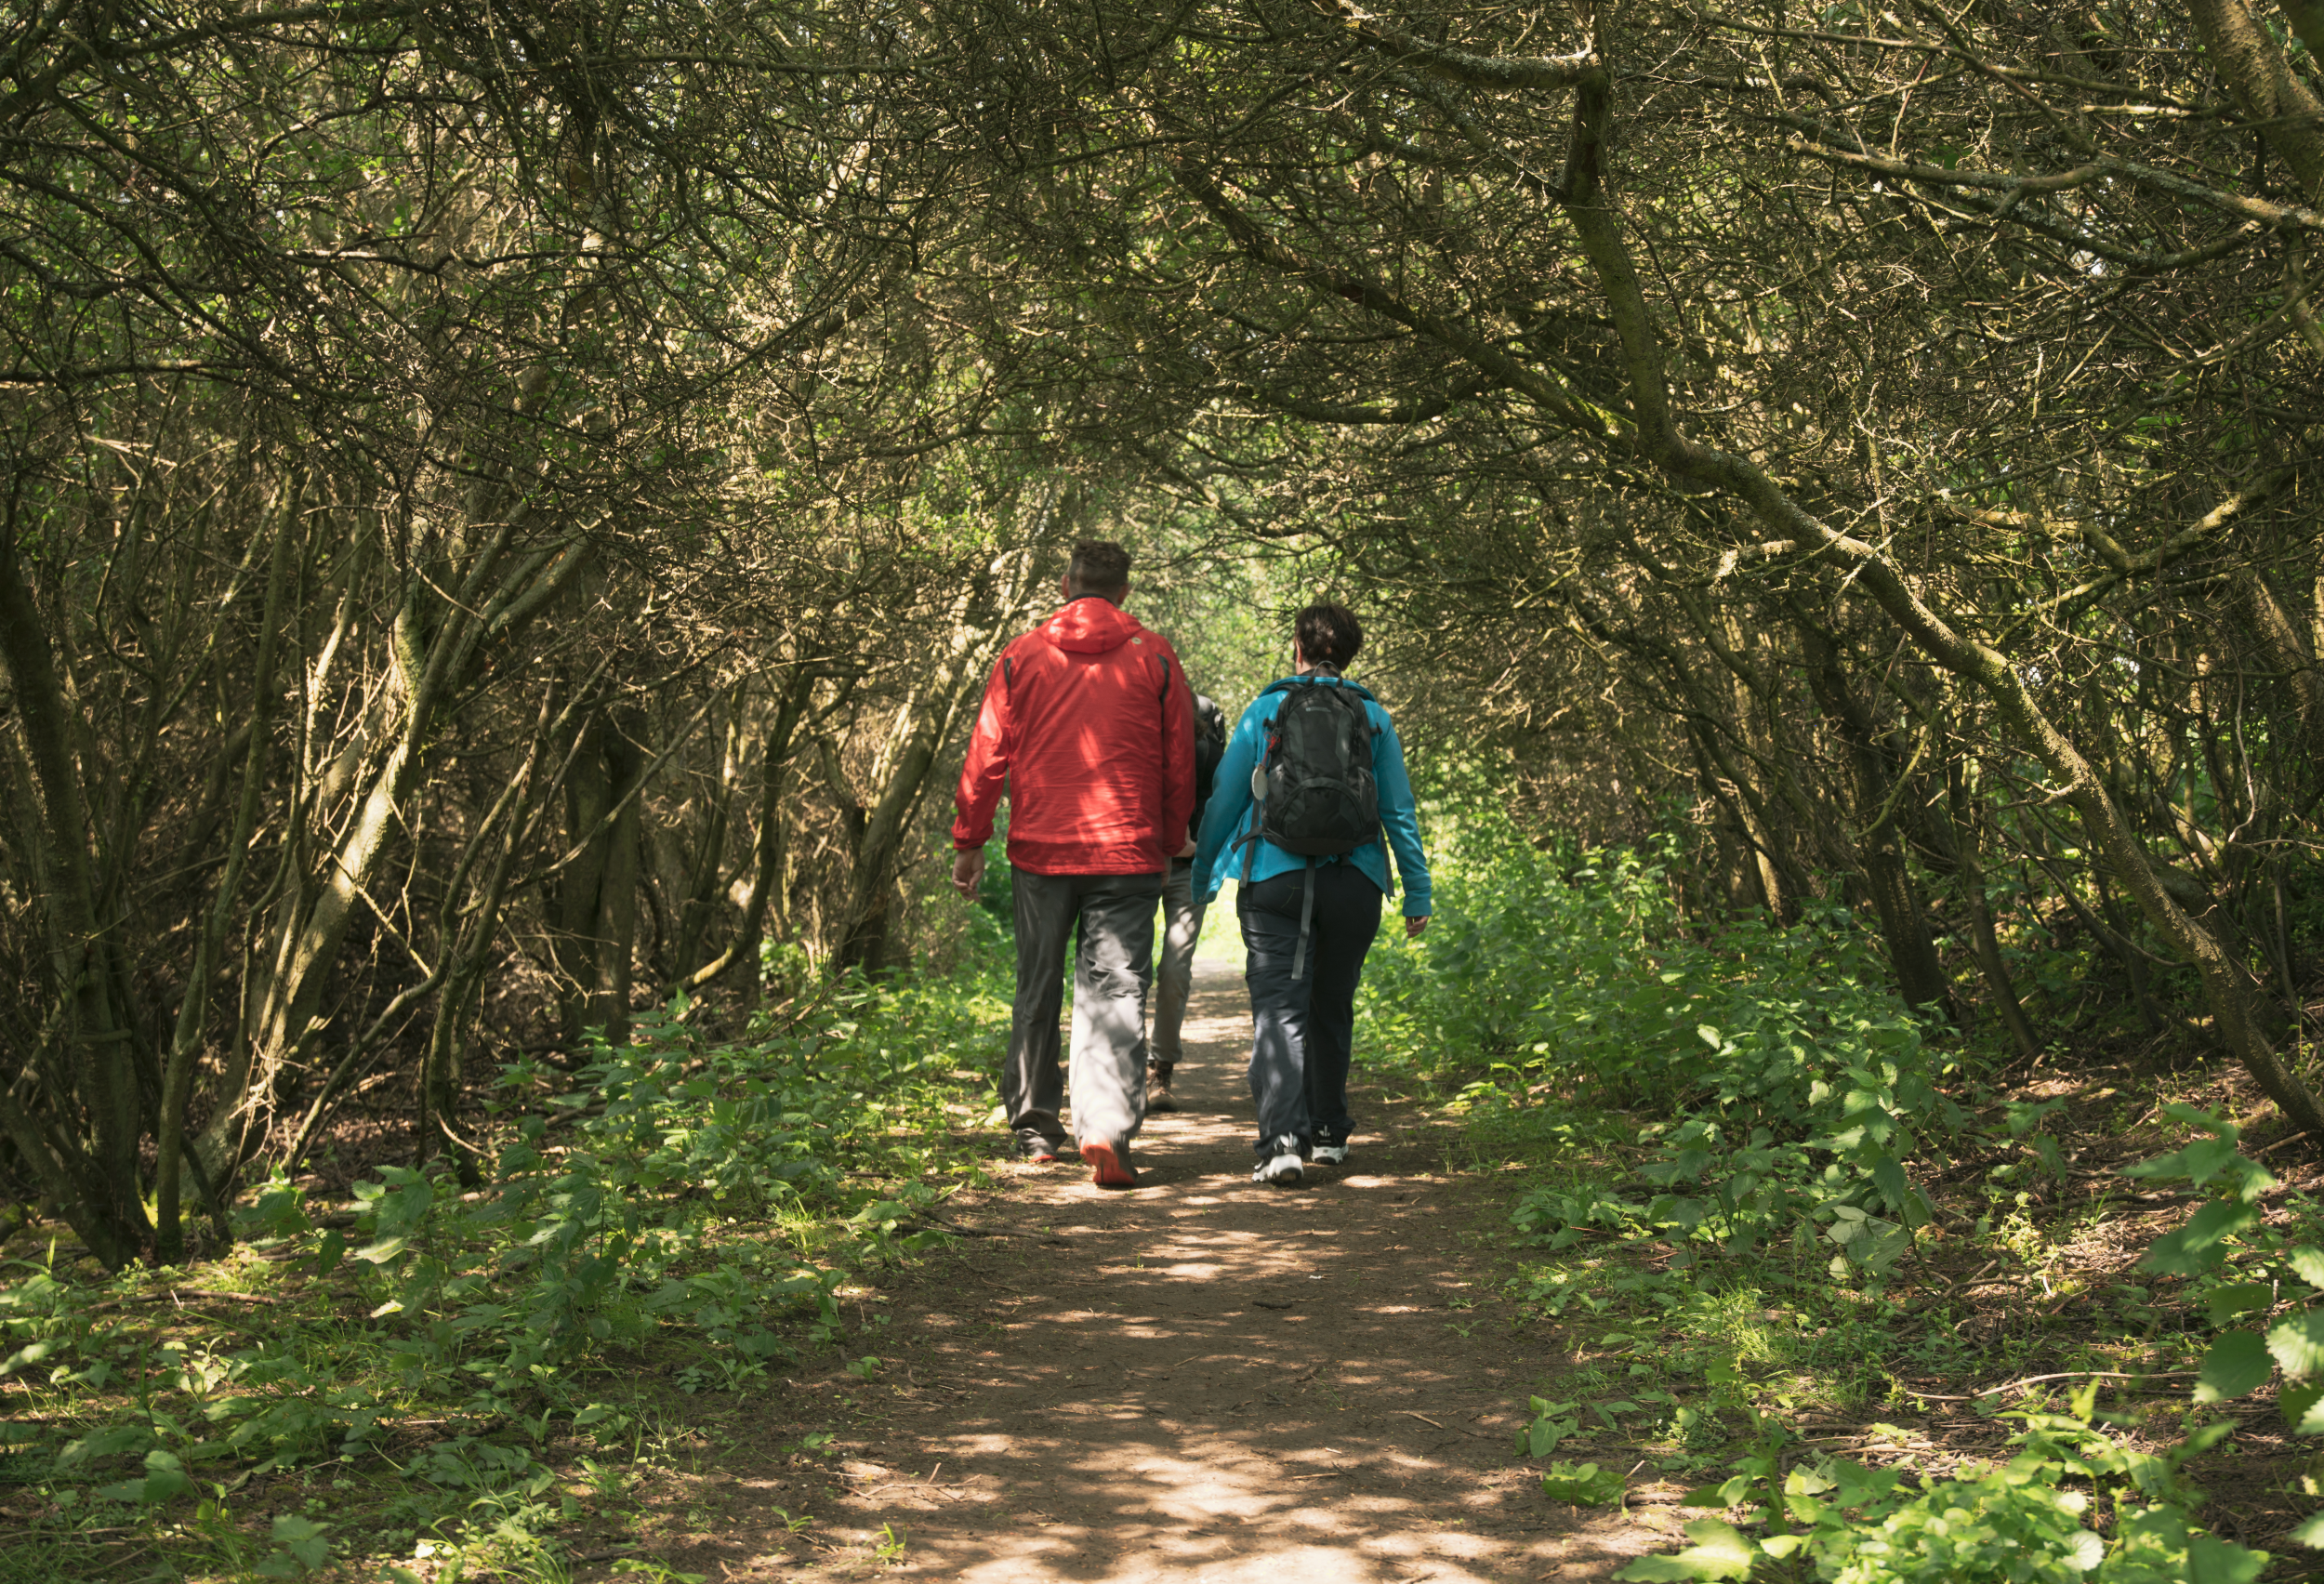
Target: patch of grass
457	1380
1753	1268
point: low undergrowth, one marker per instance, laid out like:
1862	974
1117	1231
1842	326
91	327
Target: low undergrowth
1881	1319
437	1383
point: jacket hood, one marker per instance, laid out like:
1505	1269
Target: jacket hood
1287	683
1091	625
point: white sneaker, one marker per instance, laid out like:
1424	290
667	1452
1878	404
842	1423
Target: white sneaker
1283	1168
1332	1154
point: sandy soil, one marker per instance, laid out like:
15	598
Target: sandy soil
1201	1379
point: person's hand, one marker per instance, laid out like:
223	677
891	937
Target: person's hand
968	869
1187	851
1412	927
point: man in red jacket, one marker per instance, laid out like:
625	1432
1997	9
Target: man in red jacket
1088	720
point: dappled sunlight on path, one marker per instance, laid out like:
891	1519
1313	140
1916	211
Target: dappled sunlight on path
1204	1379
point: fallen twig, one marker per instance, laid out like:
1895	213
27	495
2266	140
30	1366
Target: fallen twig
958	1230
2060	1375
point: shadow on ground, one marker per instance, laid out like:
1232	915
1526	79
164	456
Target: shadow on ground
1204	1379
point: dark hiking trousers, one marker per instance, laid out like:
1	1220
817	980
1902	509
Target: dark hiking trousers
1304	1029
1113	918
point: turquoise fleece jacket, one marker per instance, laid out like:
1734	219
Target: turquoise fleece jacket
1230	813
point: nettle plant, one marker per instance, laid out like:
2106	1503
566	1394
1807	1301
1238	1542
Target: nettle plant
2257	1287
1803	1109
675	1191
2031	1517
1791	1082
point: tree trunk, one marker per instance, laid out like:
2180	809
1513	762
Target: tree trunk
990	603
616	932
193	1012
94	1182
1879	850
767	842
1958	837
1657	439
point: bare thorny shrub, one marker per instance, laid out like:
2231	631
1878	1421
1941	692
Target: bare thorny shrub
1884	433
467	475
527	496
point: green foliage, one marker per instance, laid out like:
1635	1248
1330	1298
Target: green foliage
683	1189
2018	1523
1715	1550
1584	1485
2245	1273
1781	1095
1551	1423
1792	1083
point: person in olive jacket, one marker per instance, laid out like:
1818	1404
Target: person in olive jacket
1182	921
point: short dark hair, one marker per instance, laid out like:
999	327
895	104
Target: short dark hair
1328	634
1100	566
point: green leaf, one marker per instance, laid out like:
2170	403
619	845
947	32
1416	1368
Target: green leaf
382	1251
1719	1551
1542	1436
2236	1364
303	1537
164	1478
2311	1532
32	1353
1708	1034
2299	1405
2298	1343
2179	1111
2238	1297
1729	1493
2204	1437
2214	1560
2308	1265
1584	1485
1888	1174
2199	1244
106	1443
2198	1162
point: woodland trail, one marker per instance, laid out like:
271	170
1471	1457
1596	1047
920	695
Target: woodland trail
1204	1379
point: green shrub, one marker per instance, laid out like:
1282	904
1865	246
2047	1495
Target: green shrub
1785	1083
714	1190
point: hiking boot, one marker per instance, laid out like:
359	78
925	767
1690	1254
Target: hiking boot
1158	1088
1109	1164
1331	1152
1037	1150
1281	1165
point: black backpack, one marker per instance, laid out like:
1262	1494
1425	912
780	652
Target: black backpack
1314	787
1209	748
1318	799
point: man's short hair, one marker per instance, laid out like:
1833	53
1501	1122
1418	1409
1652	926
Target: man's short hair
1100	566
1328	634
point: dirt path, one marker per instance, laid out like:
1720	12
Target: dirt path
1204	1379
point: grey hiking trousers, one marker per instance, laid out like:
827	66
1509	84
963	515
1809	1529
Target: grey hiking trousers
1112	916
1174	964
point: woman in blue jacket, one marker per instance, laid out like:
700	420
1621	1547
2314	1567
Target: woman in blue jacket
1304	947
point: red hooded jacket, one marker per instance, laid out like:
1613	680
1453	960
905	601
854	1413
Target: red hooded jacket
1090	721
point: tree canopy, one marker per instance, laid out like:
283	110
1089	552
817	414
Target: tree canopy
509	508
